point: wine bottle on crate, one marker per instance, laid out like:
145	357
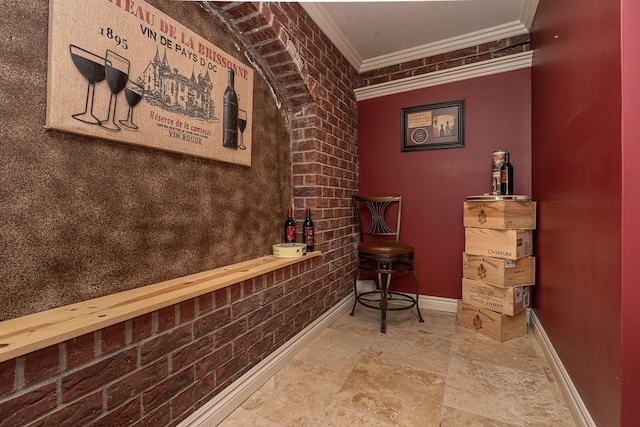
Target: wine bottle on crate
506	177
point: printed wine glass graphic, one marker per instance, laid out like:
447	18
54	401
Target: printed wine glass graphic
133	93
91	66
242	124
116	70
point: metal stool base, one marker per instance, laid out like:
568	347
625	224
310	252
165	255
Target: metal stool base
382	300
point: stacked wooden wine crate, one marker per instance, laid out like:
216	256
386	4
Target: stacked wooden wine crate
498	265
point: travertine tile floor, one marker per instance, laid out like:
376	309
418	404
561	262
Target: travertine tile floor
417	374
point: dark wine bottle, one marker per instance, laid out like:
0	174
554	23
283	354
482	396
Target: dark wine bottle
506	177
307	231
230	114
289	228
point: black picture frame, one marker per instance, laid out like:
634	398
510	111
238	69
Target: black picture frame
433	126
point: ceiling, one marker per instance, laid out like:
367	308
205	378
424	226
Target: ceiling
381	33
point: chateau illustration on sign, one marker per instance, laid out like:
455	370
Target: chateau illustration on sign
126	72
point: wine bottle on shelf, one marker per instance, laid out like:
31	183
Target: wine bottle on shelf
307	231
289	228
230	114
506	177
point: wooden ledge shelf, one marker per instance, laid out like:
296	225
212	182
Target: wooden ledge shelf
36	331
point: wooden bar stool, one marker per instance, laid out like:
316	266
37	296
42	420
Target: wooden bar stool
382	253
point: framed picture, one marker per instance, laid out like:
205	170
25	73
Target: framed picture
434	126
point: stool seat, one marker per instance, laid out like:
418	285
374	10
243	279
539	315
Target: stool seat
385	248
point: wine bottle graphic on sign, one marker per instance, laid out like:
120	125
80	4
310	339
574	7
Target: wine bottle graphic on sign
230	114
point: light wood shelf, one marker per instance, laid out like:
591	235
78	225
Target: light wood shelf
36	331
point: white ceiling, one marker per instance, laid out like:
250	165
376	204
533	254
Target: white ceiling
381	33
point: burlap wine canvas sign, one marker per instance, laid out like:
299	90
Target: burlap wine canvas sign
124	71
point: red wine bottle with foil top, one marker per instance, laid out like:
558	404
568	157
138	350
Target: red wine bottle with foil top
289	228
506	177
307	231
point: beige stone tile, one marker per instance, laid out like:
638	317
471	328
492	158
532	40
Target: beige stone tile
339	416
352	375
365	321
504	394
336	349
414	348
551	423
553	383
244	418
437	323
393	393
452	417
517	353
555	388
297	395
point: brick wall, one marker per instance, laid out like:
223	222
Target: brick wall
155	369
316	83
158	368
443	61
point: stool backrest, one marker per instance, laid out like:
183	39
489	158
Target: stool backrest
378	217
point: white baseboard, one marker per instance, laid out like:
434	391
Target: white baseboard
577	407
217	409
450	305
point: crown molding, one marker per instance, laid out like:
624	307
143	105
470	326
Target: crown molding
442	46
328	26
529	9
318	13
450	75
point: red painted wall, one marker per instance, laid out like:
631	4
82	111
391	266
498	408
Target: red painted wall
435	183
630	208
577	180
